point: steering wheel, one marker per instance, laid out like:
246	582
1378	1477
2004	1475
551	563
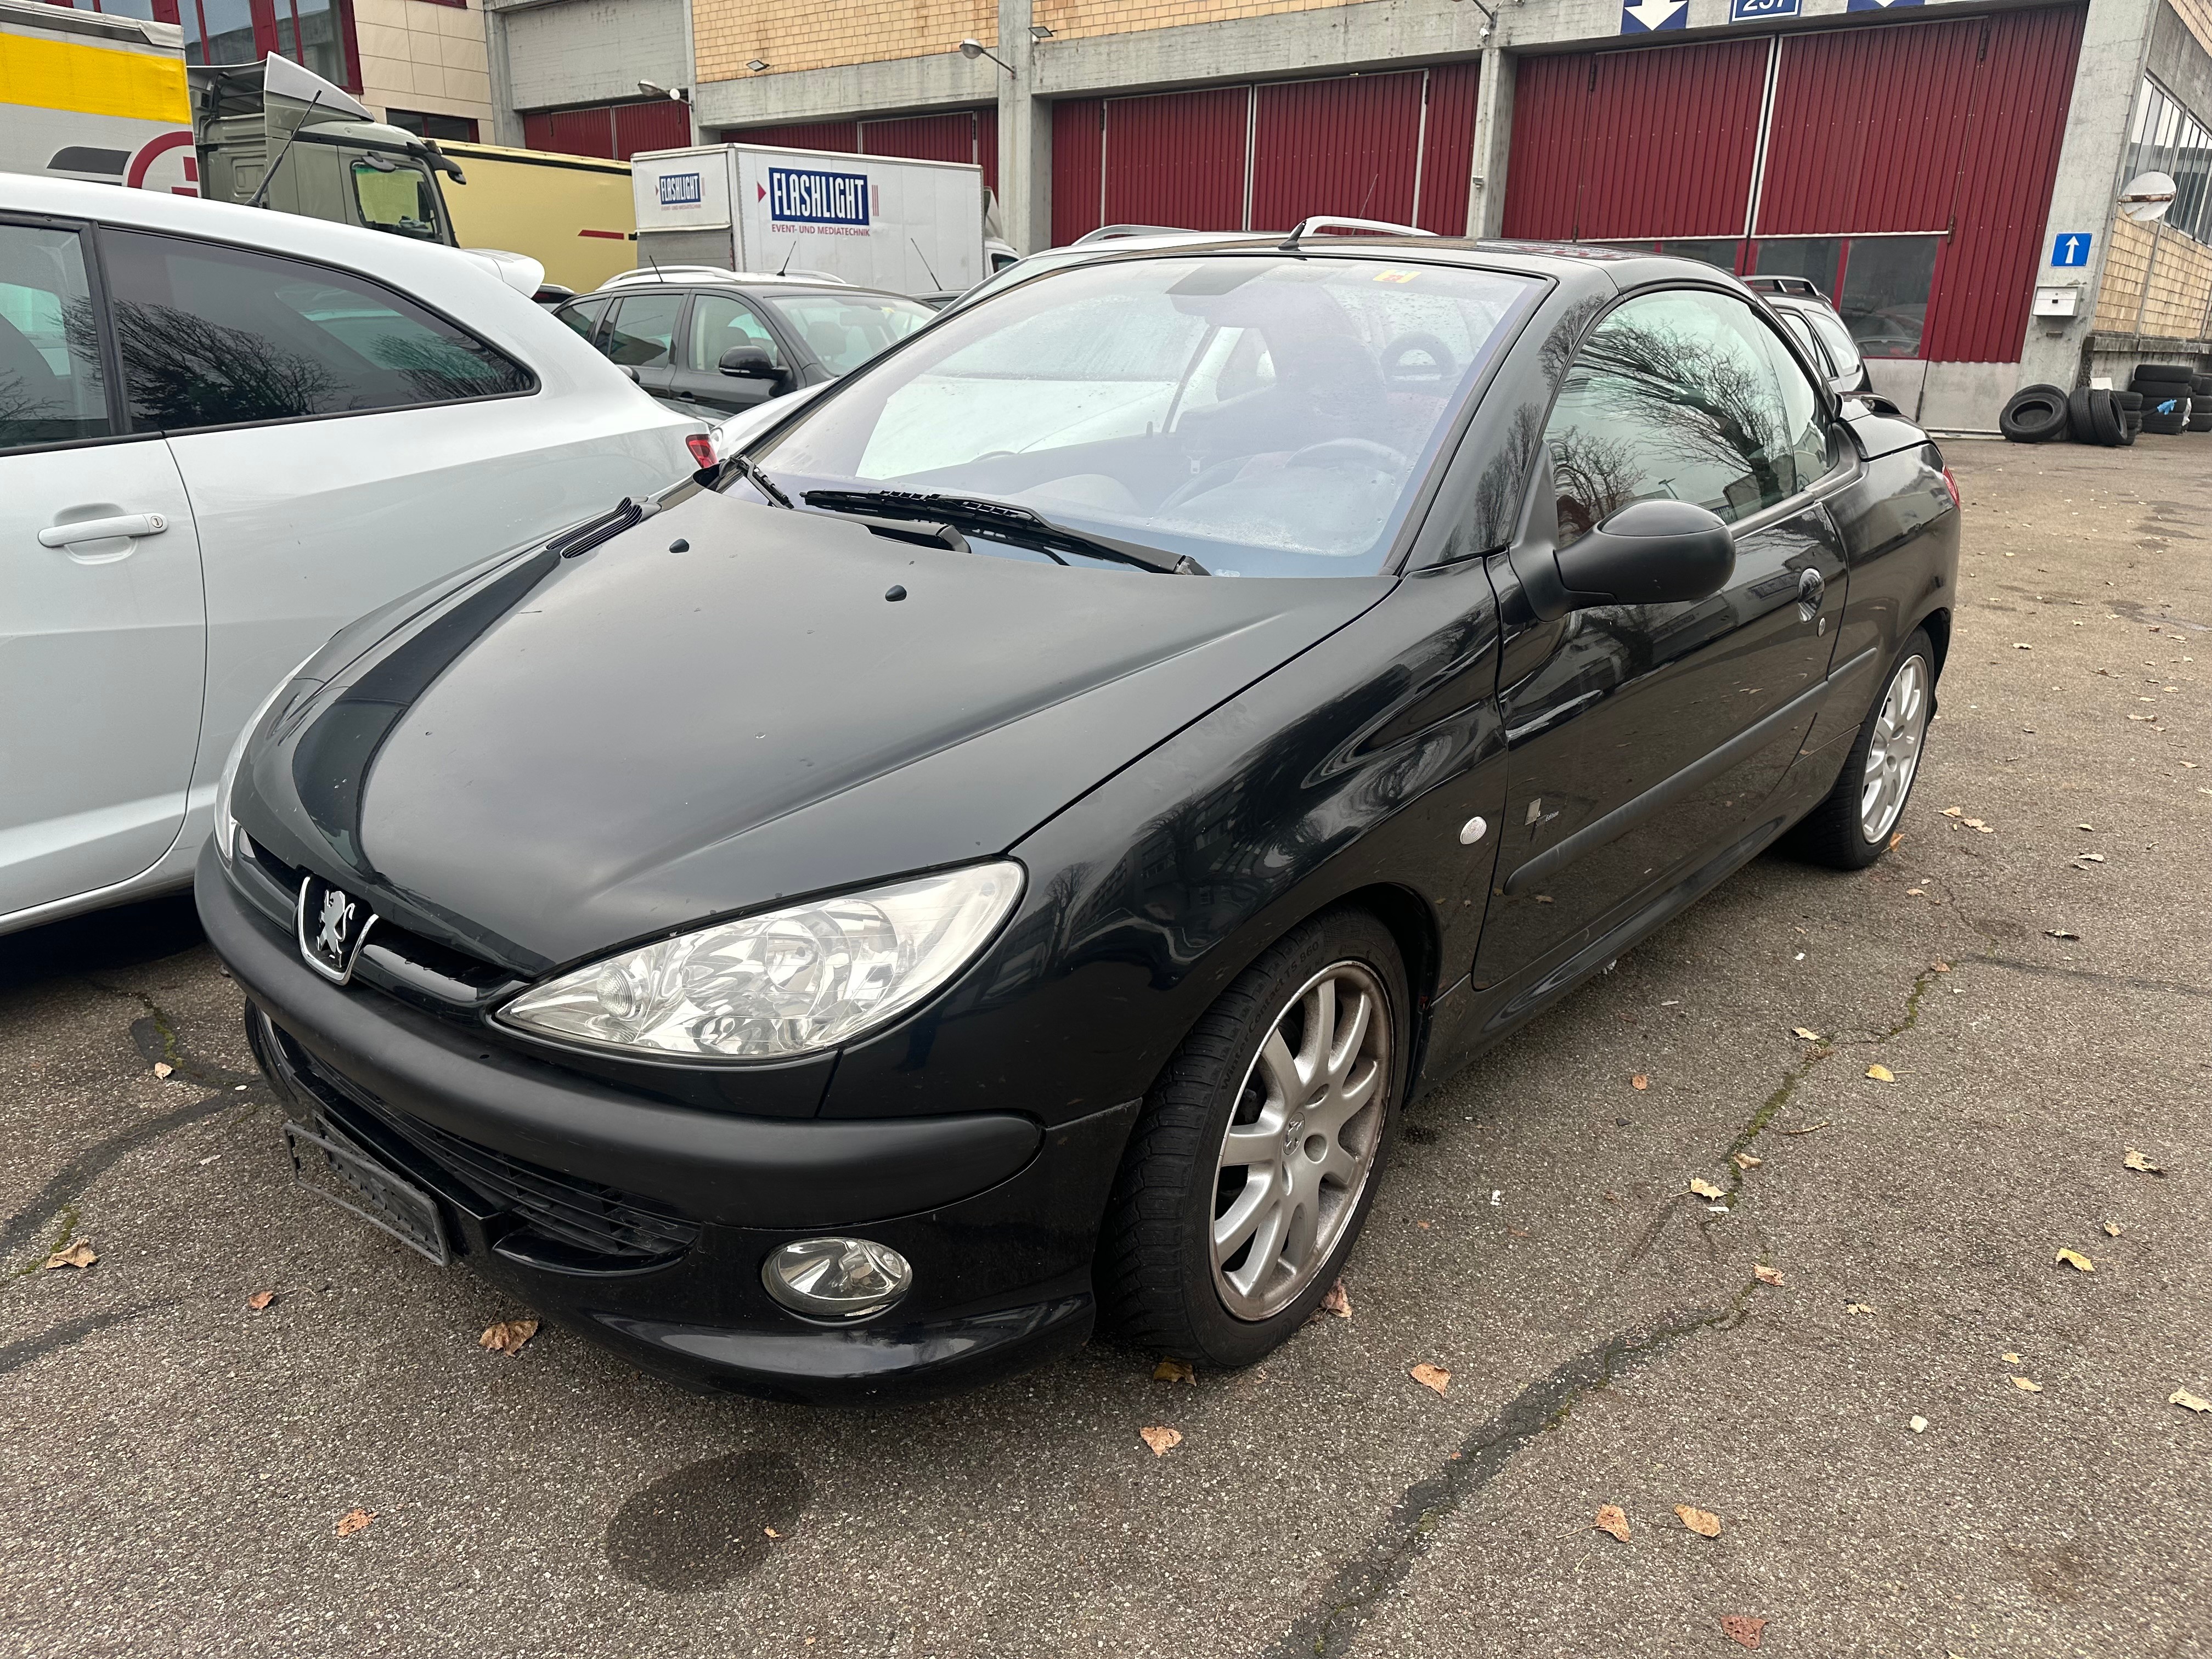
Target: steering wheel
1350	451
1394	366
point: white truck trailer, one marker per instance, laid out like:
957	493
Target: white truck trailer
877	221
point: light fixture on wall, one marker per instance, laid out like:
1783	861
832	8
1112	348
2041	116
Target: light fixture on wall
655	90
971	50
756	65
1039	32
1490	20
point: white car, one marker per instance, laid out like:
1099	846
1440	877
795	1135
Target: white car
225	432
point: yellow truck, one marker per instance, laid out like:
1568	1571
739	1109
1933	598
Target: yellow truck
572	214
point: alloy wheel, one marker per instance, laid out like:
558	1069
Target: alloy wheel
1893	752
1301	1142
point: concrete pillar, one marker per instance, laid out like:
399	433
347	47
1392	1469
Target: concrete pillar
506	124
1493	143
1024	135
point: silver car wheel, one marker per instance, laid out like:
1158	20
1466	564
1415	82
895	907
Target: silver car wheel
1301	1140
1893	752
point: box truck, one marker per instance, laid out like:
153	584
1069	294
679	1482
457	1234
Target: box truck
93	96
877	221
570	213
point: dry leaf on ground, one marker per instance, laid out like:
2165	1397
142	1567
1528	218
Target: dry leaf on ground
1639	1081
507	1336
354	1521
1807	1033
1745	1160
1954	812
2188	1401
1338	1301
1881	1073
1859	1306
2026	1386
1706	1189
2112	1229
2012	1359
260	1299
1174	1371
1704	1522
1612	1518
1742	1627
771	1532
2142	1161
162	1068
1431	1376
79	1254
2076	1260
1766	1275
1161	1440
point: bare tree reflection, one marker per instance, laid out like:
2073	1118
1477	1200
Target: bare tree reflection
186	371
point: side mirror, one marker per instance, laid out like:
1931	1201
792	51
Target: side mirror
750	361
633	376
1656	552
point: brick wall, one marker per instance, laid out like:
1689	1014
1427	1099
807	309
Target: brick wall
2197	14
2180	282
805	34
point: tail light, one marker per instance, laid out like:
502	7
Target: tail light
1951	485
702	446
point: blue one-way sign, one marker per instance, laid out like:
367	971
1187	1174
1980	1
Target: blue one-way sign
2071	248
1650	17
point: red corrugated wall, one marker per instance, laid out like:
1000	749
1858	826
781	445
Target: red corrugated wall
842	136
1348	145
571	132
1868	128
1177	158
1672	135
1543	183
1448	153
664	124
1985	274
970	136
1077	153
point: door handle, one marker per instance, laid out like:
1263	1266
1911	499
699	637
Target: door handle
101	530
1810	586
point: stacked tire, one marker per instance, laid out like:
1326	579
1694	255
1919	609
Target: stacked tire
2094	415
2034	415
2200	403
2169	396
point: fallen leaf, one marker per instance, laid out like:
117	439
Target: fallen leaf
1859	1306
1743	1627
2012	1359
2188	1401
1766	1275
1918	1425
1706	1189
1896	840
1161	1440
1612	1518
2142	1161
162	1068
771	1532
260	1299
1986	828
1174	1371
1431	1376
1953	812
2075	1260
1704	1522
2025	1386
354	1521
507	1335
1639	1081
1807	1033
1881	1073
2089	827
1745	1160
1422	1225
2092	858
1338	1301
2112	1229
1916	892
79	1254
1941	967
1976	823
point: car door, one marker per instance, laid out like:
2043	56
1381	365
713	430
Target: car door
342	443
1644	740
641	337
720	323
102	628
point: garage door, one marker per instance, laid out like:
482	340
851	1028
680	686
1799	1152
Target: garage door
966	134
1397	146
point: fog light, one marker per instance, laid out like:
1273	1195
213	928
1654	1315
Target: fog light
836	1277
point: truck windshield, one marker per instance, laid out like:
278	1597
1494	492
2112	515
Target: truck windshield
399	197
1260	414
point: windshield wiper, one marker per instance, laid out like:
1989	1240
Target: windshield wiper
749	470
1003	519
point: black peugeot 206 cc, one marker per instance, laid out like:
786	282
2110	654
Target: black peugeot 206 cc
1002	852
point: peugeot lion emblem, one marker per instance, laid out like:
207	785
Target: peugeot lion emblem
332	925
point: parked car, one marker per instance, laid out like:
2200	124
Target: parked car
709	340
1814	324
1004	850
309	419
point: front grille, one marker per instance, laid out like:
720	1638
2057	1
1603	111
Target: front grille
448	979
621	1229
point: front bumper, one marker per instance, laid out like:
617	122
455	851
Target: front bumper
645	1225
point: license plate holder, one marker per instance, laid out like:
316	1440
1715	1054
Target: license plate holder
369	1190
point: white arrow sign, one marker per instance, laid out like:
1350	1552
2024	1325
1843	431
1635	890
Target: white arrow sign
1652	14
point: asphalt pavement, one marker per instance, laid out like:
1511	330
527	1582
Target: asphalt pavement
1929	1437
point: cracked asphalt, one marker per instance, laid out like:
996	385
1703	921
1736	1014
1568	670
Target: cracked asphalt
176	1464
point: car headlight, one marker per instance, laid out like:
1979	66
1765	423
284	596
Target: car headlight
226	827
783	983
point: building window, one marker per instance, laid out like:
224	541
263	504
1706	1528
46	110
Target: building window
424	124
2164	137
316	33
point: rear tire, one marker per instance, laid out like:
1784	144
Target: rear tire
1851	828
1287	1217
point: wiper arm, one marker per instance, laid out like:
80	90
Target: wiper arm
1004	519
749	470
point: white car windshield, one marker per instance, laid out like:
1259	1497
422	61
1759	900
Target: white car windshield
1261	415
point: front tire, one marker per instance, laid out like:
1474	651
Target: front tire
1257	1157
1851	828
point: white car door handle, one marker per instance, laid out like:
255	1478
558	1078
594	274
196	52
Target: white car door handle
97	530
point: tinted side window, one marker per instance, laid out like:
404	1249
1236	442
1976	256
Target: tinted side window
642	330
212	336
1680	396
719	323
583	316
51	388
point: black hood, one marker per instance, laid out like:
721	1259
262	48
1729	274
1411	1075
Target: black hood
564	755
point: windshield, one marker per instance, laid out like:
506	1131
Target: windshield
1263	416
396	196
845	331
